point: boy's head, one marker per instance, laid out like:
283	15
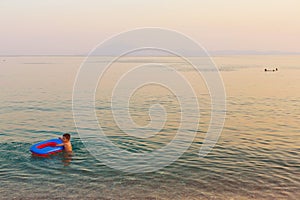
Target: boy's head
66	137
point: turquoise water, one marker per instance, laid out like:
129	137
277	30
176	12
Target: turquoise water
256	157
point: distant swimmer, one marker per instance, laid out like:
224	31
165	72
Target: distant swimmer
271	70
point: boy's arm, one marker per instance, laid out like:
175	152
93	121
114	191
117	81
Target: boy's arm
59	145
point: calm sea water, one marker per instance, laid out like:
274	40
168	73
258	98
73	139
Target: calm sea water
256	157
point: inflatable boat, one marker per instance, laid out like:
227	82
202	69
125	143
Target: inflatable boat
46	147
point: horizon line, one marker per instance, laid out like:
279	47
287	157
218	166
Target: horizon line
210	53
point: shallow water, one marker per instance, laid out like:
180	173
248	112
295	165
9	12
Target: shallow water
256	157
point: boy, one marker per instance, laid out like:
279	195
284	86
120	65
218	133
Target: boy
66	142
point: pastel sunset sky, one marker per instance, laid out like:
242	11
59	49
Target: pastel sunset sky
67	27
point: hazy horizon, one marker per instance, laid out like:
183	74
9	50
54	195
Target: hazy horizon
210	53
75	27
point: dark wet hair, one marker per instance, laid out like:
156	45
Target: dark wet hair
67	135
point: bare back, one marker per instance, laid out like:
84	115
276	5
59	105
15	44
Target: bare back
68	146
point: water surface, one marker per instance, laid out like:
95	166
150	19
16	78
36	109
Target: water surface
256	157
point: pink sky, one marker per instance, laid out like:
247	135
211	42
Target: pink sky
76	26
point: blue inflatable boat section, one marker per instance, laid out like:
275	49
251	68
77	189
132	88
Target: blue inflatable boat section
47	147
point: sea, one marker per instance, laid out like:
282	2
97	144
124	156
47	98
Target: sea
256	155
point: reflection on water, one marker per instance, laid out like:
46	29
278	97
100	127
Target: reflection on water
256	157
64	157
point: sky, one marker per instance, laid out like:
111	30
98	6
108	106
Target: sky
75	27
